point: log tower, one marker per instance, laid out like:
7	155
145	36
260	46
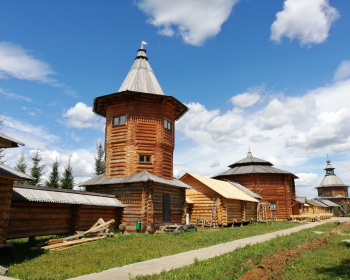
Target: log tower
140	124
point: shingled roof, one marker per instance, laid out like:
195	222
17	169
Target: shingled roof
143	176
62	196
330	179
250	165
14	174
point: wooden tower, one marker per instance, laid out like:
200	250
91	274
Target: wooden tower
140	124
139	145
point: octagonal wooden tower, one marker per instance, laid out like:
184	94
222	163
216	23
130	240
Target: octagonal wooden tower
139	145
140	124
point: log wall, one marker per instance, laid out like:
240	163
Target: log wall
145	201
6	186
143	134
277	188
228	210
38	219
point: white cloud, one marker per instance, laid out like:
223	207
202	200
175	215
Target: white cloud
82	116
288	131
308	21
196	20
248	98
12	95
16	62
343	71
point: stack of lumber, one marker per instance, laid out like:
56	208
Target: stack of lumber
176	228
98	231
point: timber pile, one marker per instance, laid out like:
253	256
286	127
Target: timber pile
98	231
176	228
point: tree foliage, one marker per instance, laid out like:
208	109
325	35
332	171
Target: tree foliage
54	178
100	160
37	169
67	180
21	164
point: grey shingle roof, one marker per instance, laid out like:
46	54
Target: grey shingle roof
143	176
326	202
242	188
250	165
9	172
52	195
141	77
9	142
331	181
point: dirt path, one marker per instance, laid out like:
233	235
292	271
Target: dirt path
272	267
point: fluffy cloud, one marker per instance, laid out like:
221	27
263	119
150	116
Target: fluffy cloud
81	116
16	62
203	125
248	98
307	21
196	20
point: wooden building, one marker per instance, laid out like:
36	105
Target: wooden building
38	211
333	189
7	177
219	203
275	186
139	145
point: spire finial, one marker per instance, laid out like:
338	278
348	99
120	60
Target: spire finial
143	43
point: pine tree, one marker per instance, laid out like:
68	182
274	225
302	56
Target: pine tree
99	160
67	180
54	179
37	169
2	155
21	164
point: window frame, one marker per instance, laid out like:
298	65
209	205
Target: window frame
167	124
273	205
145	161
119	120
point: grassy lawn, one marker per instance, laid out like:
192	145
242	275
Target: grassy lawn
118	251
329	262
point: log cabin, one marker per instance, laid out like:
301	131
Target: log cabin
139	145
333	189
274	185
7	177
219	203
38	211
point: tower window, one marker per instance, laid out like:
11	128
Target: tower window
167	124
145	159
120	120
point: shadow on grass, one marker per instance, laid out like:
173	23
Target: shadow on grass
20	252
341	271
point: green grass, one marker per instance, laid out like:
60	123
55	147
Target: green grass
329	263
118	251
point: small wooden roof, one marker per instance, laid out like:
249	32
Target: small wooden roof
225	189
9	142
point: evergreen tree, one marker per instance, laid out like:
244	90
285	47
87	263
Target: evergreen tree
37	169
21	164
100	160
2	155
67	180
54	179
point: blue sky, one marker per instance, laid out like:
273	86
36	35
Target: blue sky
270	75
